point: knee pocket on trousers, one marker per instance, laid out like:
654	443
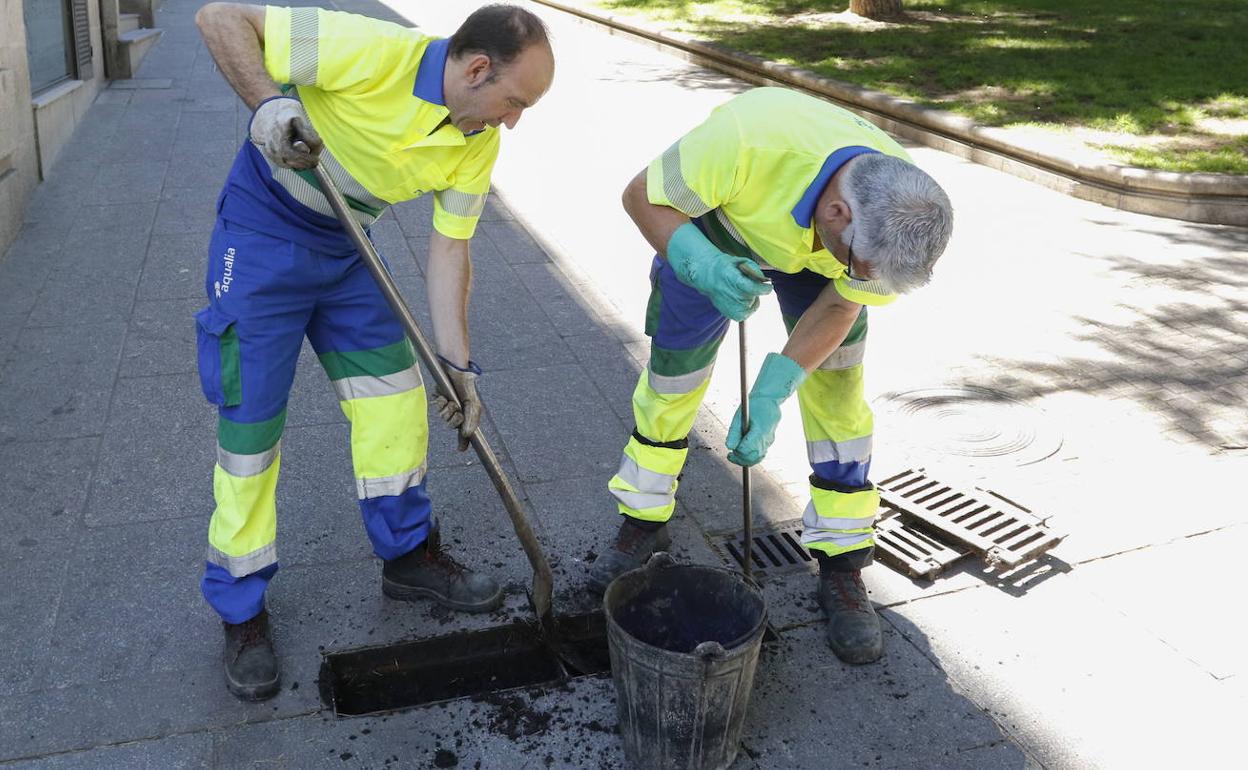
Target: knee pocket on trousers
220	372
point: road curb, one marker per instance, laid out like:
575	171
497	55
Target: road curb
1197	197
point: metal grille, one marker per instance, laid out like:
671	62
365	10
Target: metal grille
913	551
776	550
1005	532
81	22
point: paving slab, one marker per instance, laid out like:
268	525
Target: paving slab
524	336
202	165
11	324
29	614
44	489
133	180
610	366
109	629
1145	586
157	455
204	126
102	266
554	422
900	712
181	752
94	219
415	218
313	400
125	710
175	267
160	338
27	265
59	381
1061	688
187	210
514	242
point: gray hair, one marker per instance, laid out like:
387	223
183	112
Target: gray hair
901	222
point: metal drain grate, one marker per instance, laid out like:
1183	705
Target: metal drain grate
1005	532
924	526
911	550
777	549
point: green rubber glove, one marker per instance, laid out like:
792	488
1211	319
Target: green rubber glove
777	380
717	275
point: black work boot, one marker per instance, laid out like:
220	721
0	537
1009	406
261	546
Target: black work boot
636	541
250	663
428	572
853	627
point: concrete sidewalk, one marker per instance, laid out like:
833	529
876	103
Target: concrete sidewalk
1117	336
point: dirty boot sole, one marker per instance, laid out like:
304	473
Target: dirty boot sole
253	692
413	593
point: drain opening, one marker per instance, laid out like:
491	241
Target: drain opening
775	550
388	678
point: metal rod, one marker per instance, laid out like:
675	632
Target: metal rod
543	580
746	512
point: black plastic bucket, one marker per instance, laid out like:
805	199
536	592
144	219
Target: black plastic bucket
684	643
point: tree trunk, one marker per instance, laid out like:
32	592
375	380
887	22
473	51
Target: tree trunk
876	9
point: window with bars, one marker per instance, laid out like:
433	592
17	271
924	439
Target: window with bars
58	41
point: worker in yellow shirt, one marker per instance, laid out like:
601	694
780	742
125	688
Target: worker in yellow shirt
391	114
782	186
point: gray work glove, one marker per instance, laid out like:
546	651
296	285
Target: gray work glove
467	415
277	124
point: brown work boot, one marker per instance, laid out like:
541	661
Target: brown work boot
428	572
250	663
636	542
853	627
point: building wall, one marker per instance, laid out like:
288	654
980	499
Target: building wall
19	155
35	130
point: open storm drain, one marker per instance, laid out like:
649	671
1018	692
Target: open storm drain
375	679
981	425
775	550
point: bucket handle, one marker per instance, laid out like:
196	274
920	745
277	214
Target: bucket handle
710	651
660	560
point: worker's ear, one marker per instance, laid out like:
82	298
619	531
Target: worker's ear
478	70
835	211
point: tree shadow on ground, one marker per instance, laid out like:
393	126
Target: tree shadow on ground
1183	359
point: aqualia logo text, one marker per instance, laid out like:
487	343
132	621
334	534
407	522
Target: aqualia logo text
227	276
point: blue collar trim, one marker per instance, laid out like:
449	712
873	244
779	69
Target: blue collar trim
804	211
431	71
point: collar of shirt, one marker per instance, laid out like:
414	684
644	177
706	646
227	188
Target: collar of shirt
428	88
804	211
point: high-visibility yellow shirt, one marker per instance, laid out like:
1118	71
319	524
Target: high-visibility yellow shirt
753	171
373	91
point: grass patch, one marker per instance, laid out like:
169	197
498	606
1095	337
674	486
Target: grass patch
1134	67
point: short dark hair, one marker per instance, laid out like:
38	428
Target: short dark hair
500	32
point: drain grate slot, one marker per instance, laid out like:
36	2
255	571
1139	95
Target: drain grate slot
399	676
1005	532
776	550
913	551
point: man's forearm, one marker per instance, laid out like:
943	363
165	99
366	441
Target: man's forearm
448	282
234	35
821	329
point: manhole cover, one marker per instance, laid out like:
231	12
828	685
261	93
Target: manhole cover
979	424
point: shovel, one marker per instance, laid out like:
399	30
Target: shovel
543	581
